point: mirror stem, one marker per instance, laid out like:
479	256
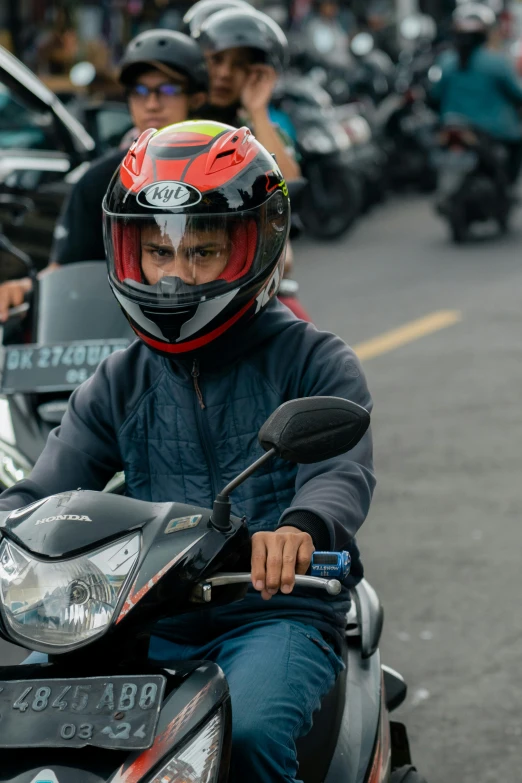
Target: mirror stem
222	507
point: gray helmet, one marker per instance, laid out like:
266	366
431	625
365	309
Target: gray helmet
233	28
200	11
166	51
473	18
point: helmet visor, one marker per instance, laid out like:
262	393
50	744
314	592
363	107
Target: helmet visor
183	259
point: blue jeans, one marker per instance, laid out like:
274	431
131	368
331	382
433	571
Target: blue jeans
277	672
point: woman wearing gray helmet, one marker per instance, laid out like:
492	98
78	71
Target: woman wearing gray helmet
246	51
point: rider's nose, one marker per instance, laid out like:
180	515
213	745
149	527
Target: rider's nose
223	71
152	102
183	269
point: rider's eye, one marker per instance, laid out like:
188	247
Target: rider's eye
170	90
141	90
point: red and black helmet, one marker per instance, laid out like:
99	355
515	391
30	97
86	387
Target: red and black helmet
196	221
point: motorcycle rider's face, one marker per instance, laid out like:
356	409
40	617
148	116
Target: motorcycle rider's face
196	256
228	72
157	109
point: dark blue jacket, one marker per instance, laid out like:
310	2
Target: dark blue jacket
142	414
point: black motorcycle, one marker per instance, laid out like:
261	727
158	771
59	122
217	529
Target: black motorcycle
354	112
84	576
407	122
73	323
332	199
473	185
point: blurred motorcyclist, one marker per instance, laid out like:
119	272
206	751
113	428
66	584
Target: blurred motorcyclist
165	78
245	53
479	84
324	35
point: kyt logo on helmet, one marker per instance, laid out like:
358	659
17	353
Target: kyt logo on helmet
196	222
168	195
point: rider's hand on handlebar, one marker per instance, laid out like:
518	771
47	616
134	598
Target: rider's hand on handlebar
277	557
12	294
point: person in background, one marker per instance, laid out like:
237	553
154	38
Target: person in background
165	79
479	84
58	50
325	36
245	52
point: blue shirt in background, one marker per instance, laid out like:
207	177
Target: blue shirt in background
487	93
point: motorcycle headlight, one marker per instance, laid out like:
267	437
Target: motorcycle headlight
13	465
315	140
198	760
67	602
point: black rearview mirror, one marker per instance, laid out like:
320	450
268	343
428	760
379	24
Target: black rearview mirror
312	429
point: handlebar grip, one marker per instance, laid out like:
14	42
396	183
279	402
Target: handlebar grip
331	565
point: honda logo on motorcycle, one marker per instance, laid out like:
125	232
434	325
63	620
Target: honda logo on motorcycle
59	517
168	195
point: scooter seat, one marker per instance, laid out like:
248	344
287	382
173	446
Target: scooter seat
315	749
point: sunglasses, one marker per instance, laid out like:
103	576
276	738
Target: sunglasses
167	90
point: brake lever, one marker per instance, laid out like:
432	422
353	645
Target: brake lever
204	589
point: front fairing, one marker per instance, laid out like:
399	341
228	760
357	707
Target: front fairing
178	548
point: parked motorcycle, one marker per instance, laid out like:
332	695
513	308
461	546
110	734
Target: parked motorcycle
84	577
472	180
354	112
408	125
408	128
332	199
73	324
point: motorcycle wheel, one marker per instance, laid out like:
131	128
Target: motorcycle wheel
457	224
332	201
458	232
407	774
503	224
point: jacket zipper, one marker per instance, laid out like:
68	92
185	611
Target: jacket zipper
195	378
204	433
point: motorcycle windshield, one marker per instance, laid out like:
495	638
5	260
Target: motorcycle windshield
76	303
77	323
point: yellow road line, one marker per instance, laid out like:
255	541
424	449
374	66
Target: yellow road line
414	330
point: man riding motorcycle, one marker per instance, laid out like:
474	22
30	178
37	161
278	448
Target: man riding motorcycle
196	223
480	85
245	52
165	79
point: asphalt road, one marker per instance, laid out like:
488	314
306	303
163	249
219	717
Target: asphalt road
442	544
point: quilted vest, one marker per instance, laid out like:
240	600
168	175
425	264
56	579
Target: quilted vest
176	450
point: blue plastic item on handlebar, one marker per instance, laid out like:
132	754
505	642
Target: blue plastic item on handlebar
330	565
